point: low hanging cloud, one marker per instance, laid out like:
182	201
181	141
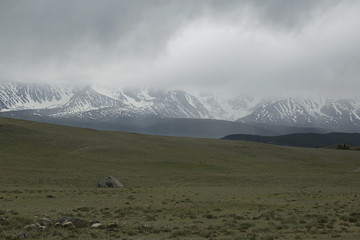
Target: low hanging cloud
239	47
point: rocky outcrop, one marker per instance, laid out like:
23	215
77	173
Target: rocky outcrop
110	182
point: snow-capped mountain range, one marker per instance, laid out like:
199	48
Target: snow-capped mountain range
100	103
335	114
16	96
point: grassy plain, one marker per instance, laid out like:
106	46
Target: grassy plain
176	188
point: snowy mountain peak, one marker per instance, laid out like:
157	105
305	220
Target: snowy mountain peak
317	113
19	96
64	101
101	103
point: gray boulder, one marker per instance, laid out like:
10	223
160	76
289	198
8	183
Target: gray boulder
110	182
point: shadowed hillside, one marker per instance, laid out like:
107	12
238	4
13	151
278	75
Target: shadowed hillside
302	139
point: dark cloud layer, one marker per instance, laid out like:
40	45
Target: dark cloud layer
277	46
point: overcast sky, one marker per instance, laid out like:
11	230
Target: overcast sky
238	47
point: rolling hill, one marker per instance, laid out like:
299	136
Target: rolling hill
176	187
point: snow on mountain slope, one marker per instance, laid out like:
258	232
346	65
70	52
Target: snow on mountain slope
85	100
286	111
231	108
97	102
177	104
19	96
242	106
139	98
149	102
343	111
324	113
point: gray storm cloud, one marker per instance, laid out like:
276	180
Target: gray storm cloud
254	47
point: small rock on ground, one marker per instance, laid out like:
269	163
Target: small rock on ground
96	225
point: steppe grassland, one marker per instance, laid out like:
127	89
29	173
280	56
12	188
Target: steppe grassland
180	188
